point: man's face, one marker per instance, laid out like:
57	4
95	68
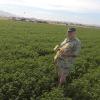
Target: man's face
71	34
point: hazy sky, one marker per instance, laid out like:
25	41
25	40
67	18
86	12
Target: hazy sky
80	11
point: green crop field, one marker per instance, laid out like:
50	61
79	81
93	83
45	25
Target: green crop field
27	71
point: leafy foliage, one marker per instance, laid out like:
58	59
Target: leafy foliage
27	71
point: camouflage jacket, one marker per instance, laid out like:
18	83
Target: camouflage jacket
75	46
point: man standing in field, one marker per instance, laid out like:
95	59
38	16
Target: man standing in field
67	51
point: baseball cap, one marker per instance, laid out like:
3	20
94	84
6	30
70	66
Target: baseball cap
71	30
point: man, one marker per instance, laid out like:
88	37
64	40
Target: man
67	51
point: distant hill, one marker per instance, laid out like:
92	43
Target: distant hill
6	14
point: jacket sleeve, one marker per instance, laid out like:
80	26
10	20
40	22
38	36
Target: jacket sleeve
57	47
77	49
62	43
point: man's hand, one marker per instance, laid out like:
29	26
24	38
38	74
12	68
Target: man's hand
68	54
65	54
